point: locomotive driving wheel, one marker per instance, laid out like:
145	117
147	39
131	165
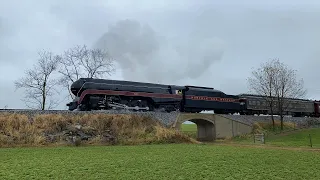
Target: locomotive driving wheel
139	104
146	104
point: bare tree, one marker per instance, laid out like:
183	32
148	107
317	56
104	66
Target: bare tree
38	84
81	62
262	82
287	88
278	84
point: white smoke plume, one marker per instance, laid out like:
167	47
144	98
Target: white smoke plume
144	55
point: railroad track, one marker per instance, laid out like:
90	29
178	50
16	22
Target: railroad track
111	111
11	109
67	111
32	110
36	111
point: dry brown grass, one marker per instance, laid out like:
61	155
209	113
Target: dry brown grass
18	130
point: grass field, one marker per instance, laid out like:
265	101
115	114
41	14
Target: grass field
189	127
175	161
294	138
190	130
297	138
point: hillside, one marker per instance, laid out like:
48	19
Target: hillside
289	137
84	129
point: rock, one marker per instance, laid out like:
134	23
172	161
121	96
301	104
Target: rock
83	136
90	131
72	128
108	138
51	138
76	140
78	126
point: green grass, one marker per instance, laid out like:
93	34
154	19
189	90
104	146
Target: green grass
189	127
175	161
190	130
297	138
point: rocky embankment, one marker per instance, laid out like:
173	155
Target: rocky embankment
103	127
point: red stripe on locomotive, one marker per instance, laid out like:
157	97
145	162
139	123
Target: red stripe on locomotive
154	95
206	98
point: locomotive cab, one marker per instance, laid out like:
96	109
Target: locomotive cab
175	89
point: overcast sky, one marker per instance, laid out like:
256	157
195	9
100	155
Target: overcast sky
199	42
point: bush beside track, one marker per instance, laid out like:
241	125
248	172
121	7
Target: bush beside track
51	129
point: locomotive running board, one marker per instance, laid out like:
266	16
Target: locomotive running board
122	106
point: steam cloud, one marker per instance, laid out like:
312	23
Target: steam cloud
145	56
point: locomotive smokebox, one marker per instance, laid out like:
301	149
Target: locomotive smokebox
76	86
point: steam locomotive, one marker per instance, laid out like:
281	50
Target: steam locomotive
100	94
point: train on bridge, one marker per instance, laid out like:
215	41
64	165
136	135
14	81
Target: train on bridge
103	94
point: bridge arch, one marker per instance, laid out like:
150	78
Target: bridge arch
206	129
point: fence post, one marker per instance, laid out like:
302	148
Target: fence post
259	137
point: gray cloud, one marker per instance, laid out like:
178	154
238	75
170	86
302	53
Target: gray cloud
145	55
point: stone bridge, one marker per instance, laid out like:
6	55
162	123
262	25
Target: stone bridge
220	126
213	126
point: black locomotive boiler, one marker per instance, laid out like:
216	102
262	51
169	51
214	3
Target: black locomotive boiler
99	94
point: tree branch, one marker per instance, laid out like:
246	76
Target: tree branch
37	82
